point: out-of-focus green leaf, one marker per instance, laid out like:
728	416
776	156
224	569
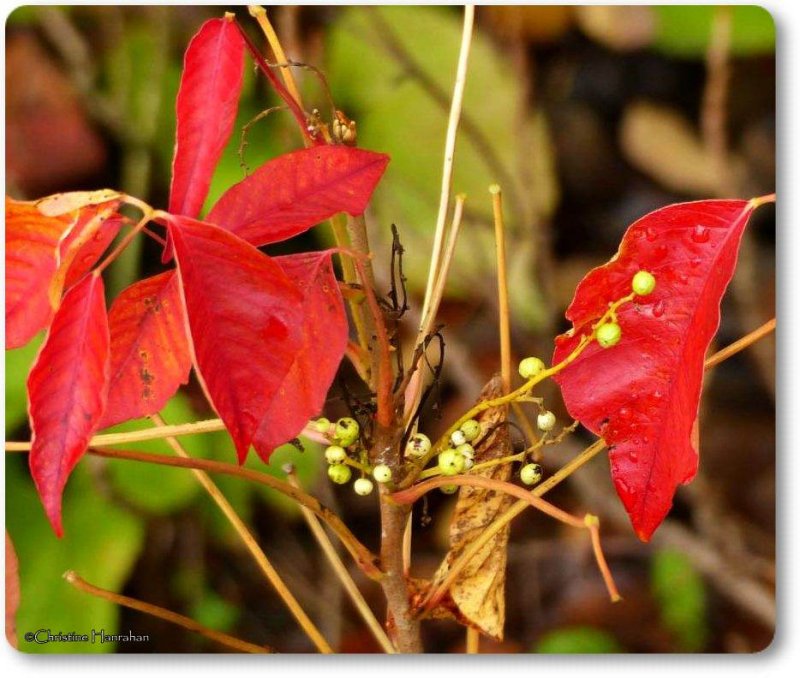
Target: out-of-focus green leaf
578	640
154	488
681	594
397	114
18	364
308	465
685	30
215	612
101	543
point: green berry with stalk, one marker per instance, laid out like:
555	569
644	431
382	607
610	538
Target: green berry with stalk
643	283
609	334
382	473
546	421
530	367
471	429
339	473
346	431
530	474
335	454
418	445
363	486
451	463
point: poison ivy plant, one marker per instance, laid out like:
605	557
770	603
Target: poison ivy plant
642	394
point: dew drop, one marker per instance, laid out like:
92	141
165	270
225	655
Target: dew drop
658	308
701	234
650	233
624	412
633	455
694	263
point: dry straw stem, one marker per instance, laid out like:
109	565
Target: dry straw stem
167	615
502	287
255	550
342	574
434	273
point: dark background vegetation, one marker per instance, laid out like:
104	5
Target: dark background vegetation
589	118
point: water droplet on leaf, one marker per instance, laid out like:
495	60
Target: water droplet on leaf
658	308
701	234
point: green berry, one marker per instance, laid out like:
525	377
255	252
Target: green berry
451	463
458	438
608	334
382	473
530	474
466	450
530	367
322	425
468	463
643	283
471	429
449	489
346	431
418	445
546	421
339	473
335	454
363	486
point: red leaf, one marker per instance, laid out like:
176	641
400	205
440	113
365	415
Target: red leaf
245	317
31	241
206	109
67	389
295	191
324	339
150	355
80	254
206	106
42	252
642	395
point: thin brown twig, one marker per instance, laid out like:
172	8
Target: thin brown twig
740	344
187	623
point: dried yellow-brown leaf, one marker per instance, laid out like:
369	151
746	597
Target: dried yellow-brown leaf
478	594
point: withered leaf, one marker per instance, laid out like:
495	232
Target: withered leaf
478	593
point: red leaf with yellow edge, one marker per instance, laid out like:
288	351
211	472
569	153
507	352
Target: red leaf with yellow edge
295	191
67	390
642	395
42	252
150	355
245	317
323	343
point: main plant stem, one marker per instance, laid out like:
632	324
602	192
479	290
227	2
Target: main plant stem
404	629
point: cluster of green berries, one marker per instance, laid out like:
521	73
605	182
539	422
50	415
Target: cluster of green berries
460	456
343	434
609	334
